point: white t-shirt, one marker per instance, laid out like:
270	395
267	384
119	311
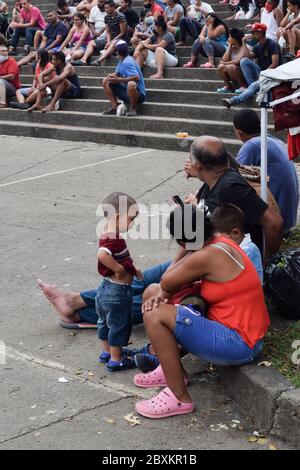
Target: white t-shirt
97	18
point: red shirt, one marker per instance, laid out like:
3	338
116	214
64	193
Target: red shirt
157	9
10	66
238	304
33	13
115	246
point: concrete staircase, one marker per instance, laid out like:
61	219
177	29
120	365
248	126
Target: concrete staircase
185	101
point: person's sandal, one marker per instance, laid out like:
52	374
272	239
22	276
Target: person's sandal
156	378
163	405
189	65
207	65
124	364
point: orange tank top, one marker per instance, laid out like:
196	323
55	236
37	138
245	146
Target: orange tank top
238	304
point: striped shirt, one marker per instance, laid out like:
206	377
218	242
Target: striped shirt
115	246
113	23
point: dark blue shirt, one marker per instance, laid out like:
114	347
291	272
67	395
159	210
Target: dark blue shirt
283	182
52	31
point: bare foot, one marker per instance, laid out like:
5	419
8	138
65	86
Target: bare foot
61	300
156	76
48	108
34	108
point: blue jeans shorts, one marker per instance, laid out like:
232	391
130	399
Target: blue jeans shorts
114	308
212	341
120	91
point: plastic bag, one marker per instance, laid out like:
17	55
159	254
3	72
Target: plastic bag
282	282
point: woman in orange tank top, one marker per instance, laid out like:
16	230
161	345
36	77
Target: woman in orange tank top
231	333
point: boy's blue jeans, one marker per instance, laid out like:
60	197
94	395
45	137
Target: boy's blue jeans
113	304
151	276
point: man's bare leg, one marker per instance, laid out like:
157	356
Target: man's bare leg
65	303
60	89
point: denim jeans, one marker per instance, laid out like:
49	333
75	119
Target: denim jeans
212	341
191	26
151	276
247	94
250	70
209	48
113	303
27	32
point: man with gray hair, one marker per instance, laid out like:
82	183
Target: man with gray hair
210	163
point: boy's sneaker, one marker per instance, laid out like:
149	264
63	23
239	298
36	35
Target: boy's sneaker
131	113
124	364
105	356
146	362
121	110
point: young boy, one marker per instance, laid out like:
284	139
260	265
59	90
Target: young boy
114	295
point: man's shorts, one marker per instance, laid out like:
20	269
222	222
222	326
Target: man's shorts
120	91
100	42
73	93
114	307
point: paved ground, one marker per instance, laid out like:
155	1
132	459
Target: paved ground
49	195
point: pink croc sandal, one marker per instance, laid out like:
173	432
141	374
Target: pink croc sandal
163	405
207	65
188	65
156	378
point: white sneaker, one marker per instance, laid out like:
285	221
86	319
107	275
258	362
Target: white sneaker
121	110
57	106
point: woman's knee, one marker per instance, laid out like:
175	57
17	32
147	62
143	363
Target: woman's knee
159	50
150	291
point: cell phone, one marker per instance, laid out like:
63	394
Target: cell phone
178	200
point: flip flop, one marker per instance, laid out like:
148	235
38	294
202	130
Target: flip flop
78	326
163	405
156	378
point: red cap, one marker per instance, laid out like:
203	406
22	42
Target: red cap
259	27
298	53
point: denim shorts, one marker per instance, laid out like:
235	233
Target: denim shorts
114	308
212	341
120	91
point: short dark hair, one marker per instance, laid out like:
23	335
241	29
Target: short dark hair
188	214
227	217
116	200
111	3
247	121
237	34
160	22
211	160
129	2
52	11
61	3
60	56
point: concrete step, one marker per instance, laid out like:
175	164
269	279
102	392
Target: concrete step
103	135
179	84
169	72
176	110
181	51
140	123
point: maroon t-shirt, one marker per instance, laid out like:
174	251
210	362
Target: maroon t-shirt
116	247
